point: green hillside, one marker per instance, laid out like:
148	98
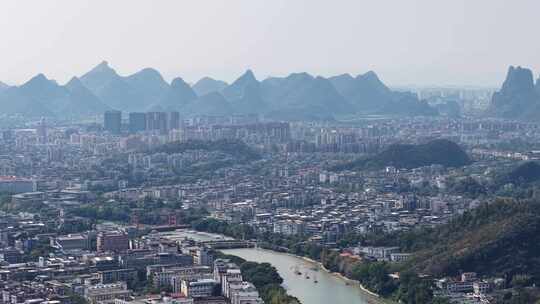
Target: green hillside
235	148
436	152
497	239
524	173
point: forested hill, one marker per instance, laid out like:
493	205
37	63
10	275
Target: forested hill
524	173
236	148
498	239
436	152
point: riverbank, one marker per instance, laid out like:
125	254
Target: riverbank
328	288
341	276
368	295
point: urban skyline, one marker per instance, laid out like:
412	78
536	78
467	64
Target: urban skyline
269	152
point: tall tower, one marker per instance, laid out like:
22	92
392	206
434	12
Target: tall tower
42	131
112	121
174	121
137	122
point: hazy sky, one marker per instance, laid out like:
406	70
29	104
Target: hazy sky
420	42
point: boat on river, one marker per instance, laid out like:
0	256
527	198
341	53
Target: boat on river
321	288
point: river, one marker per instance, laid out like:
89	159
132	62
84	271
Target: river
329	289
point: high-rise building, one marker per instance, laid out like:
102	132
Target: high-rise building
112	121
156	121
174	121
55	154
42	131
137	122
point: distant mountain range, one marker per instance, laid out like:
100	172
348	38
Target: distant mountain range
518	98
137	92
208	85
368	94
298	96
43	97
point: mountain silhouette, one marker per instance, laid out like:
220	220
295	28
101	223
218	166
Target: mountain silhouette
212	104
299	96
302	96
178	95
45	91
368	94
44	97
13	102
82	100
244	95
208	85
518	97
149	86
135	92
236	89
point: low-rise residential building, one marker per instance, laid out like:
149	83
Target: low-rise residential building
106	292
199	288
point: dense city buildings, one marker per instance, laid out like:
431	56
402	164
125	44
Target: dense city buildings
100	212
266	163
14	185
275	177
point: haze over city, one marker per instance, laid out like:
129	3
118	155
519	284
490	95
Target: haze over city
269	152
416	42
